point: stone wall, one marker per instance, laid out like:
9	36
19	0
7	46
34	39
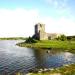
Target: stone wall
43	36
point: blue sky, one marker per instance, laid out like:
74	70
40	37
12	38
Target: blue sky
46	7
18	17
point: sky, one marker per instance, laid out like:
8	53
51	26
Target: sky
18	17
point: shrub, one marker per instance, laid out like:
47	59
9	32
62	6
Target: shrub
30	40
62	38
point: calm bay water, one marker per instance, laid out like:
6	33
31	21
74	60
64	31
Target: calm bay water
14	58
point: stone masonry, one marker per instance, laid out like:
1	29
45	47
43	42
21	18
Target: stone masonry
40	33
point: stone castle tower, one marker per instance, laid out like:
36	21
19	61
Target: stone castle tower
39	28
40	32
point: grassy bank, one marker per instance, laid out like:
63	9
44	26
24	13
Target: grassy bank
48	44
65	70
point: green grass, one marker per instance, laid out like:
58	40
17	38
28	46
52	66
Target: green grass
47	44
64	70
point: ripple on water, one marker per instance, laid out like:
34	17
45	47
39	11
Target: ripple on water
14	58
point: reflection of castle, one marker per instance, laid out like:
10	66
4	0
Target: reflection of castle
42	35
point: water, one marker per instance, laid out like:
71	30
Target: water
14	58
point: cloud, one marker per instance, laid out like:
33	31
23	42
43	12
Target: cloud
60	6
62	25
17	22
20	22
57	3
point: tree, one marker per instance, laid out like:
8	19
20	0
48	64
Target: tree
63	38
30	40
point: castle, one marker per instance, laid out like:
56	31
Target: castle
40	33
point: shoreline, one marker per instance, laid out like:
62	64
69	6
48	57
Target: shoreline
63	45
66	69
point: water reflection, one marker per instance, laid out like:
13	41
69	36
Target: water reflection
14	58
55	58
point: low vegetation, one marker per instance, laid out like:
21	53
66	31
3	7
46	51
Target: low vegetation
65	70
67	45
30	40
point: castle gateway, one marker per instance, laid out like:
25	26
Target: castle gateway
40	33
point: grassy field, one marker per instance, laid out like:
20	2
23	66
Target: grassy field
48	44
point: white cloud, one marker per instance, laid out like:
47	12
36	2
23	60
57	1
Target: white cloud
60	6
56	3
20	22
61	25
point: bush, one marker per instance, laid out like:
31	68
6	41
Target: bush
30	40
62	38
